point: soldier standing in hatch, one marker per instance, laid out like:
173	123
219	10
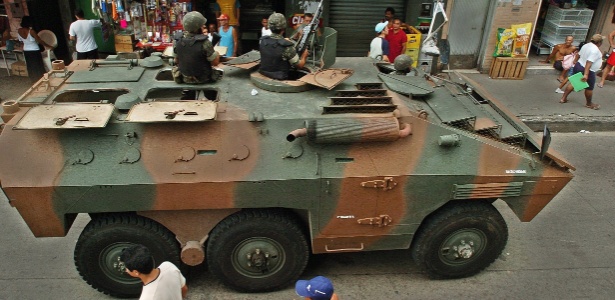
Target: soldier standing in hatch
278	53
194	53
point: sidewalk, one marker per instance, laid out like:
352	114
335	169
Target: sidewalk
11	87
532	99
535	102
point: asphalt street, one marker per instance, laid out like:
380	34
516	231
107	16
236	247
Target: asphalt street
566	252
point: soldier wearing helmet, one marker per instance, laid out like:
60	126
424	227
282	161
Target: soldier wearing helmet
277	53
402	64
194	53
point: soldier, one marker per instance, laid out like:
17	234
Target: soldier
195	55
278	53
402	64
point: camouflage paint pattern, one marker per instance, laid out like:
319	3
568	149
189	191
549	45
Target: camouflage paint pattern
190	175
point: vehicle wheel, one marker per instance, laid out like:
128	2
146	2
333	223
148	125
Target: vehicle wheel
102	241
461	240
257	251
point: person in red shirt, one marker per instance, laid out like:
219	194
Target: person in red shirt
397	40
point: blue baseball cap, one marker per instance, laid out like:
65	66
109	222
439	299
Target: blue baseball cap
317	288
381	26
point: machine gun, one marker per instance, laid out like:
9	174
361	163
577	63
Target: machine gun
309	30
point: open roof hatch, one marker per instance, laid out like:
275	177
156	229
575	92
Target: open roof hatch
172	111
66	116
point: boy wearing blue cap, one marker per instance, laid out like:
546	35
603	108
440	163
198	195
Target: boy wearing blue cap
379	47
317	288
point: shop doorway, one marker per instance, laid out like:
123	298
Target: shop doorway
252	12
355	20
466	31
46	15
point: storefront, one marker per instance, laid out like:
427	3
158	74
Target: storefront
551	21
471	32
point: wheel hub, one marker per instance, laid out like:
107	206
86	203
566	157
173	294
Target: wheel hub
111	265
464	250
258	259
462	246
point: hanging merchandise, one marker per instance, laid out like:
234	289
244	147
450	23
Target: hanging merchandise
172	18
113	11
146	22
119	6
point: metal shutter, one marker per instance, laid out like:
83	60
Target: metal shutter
466	27
355	20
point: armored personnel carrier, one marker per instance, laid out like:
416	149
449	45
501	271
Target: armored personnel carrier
250	178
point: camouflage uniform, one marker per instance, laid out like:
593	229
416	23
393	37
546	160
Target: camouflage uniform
198	66
290	53
208	51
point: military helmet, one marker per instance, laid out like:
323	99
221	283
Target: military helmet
193	21
277	21
402	62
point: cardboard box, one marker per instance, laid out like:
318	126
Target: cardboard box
124	48
124	43
123	39
19	68
414	38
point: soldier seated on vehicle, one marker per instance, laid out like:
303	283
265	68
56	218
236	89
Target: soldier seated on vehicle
277	53
403	65
194	54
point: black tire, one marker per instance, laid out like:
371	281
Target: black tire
460	240
272	232
100	245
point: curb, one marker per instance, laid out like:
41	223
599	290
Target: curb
569	124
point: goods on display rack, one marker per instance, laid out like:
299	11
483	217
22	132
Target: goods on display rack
511	49
150	22
562	22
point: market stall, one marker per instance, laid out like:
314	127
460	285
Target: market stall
144	23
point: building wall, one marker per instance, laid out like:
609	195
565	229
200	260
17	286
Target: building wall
13	20
605	25
506	15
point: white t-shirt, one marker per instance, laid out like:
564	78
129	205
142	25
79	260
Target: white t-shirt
375	48
265	32
167	286
84	31
592	53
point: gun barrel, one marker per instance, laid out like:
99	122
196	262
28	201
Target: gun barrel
309	30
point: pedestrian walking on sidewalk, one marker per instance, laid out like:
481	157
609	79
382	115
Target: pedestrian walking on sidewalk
611	61
570	72
590	61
